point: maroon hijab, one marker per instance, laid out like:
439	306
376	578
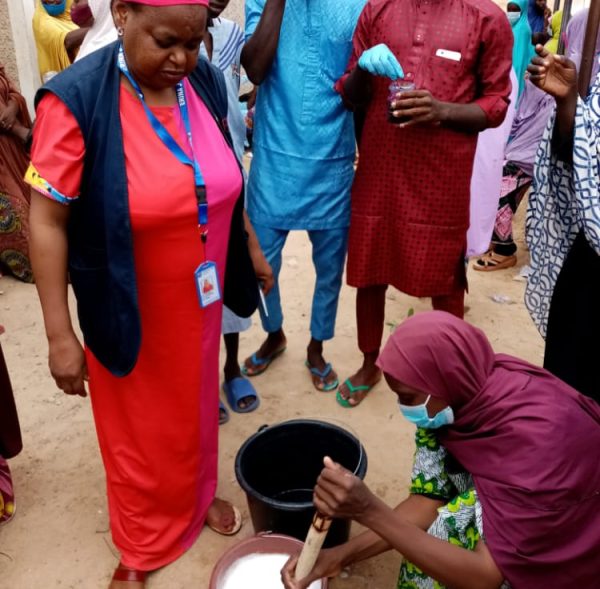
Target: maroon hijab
531	443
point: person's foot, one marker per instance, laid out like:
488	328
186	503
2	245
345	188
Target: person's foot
241	395
362	381
223	414
223	517
492	261
233	371
7	495
323	376
272	347
126	585
126	578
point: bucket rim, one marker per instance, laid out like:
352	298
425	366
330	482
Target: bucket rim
291	505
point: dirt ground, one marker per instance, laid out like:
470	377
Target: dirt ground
59	537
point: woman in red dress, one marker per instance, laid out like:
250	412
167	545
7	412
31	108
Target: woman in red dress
157	423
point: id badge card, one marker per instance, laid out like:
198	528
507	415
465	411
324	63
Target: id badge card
207	284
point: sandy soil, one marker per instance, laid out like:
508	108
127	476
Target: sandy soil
59	537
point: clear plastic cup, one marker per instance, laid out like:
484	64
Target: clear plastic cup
398	87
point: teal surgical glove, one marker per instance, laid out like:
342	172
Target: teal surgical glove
380	61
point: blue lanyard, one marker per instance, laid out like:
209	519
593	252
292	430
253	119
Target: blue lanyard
172	145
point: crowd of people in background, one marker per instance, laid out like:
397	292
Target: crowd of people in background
458	111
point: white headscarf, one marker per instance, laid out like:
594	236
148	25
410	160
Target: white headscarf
103	30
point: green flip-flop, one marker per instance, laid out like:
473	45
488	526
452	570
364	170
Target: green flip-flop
353	390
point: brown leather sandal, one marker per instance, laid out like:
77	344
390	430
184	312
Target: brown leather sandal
491	262
122	573
237	526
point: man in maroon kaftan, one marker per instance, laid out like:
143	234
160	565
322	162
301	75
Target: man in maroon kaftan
410	199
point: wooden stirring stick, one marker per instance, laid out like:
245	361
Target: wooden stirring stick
312	545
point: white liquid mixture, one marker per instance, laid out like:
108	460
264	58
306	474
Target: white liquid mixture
257	571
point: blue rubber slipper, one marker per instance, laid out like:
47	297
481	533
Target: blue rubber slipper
223	413
322	375
261	364
240	388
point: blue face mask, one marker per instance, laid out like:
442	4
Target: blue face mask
55	9
418	415
513	17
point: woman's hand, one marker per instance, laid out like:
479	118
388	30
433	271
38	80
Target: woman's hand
262	269
67	364
554	74
329	564
252	97
8	116
340	494
20	132
420	106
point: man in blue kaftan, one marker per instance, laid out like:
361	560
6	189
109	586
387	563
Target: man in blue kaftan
304	151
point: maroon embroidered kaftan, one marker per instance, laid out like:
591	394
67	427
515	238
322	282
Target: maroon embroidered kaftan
410	200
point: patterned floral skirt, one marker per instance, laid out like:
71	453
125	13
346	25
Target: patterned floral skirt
14	212
515	184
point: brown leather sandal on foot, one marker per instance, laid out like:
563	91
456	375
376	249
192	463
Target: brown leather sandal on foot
237	526
122	573
491	262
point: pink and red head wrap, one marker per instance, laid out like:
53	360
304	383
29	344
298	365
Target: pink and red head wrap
530	442
170	2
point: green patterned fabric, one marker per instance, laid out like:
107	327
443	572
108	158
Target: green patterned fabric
460	519
429	471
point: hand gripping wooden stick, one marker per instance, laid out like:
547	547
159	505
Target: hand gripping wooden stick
312	545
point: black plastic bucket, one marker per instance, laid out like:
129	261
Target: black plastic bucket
278	468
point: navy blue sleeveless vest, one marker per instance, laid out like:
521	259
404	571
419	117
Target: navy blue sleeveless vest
101	261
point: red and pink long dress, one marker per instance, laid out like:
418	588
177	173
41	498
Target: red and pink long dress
158	426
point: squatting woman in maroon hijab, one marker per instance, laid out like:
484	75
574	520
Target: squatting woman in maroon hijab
506	483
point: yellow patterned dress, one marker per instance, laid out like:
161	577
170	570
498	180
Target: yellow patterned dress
459	522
